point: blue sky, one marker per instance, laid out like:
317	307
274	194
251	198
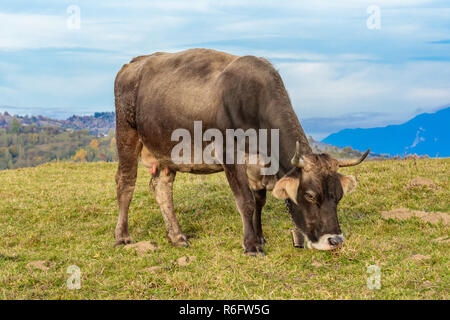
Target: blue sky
338	72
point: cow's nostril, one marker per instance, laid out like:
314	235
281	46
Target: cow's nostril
336	240
332	241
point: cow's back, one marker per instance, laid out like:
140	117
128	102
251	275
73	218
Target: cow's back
181	82
175	89
172	90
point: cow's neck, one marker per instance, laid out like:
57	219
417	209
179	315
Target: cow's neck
287	148
284	118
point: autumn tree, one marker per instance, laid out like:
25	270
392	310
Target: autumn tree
15	126
94	144
80	155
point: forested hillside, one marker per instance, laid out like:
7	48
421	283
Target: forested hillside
99	124
27	141
30	145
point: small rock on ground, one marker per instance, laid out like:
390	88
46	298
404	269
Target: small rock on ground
141	247
185	260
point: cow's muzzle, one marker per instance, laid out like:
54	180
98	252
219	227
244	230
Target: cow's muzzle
327	242
336	240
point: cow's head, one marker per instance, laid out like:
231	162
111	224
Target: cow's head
312	190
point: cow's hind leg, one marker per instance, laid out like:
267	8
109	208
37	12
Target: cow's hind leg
260	199
128	147
162	185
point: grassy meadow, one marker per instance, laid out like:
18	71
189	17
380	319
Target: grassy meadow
64	214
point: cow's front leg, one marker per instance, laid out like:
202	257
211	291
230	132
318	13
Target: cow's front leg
260	200
245	202
162	185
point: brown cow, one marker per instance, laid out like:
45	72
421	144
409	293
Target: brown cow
159	93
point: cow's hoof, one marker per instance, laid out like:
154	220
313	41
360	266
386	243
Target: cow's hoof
259	253
255	254
180	241
122	241
122	236
262	241
254	250
182	244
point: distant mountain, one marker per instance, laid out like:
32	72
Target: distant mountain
425	134
98	124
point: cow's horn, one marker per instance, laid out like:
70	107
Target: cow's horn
297	161
349	163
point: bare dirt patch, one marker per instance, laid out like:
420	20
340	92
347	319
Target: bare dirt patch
185	260
444	239
152	269
419	257
421	182
42	265
404	214
141	247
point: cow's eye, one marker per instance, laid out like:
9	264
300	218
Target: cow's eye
310	196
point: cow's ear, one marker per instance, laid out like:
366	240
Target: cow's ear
348	184
286	187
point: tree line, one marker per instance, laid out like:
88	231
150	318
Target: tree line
30	145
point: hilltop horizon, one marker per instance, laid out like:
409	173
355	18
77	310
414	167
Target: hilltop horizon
319	128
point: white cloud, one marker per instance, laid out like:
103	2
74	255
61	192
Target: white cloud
7	93
56	91
320	4
19	31
428	94
167	5
31	31
324	89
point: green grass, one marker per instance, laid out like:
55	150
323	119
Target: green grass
65	213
